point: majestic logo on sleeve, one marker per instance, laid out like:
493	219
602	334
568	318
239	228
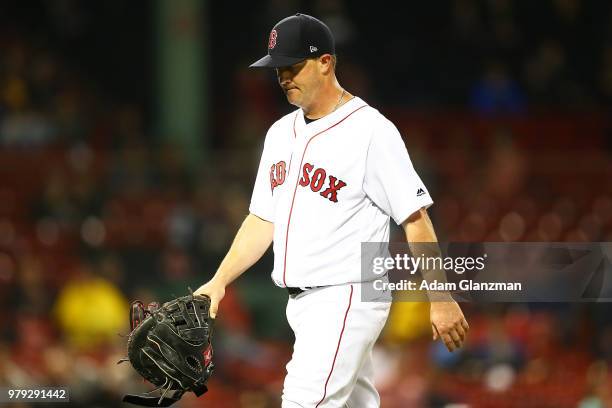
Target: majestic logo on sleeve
319	177
272	40
420	192
277	175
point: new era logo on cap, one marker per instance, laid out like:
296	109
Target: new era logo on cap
313	48
420	192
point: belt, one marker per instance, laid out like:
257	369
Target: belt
293	292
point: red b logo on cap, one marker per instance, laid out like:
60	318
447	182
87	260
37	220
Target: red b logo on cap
272	41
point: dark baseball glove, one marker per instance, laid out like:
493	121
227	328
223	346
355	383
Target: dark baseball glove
170	346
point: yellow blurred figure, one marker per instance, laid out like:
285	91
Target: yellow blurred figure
91	311
408	321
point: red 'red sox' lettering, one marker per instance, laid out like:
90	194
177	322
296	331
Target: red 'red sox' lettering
318	179
277	175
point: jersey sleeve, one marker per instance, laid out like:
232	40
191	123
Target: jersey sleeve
261	200
390	180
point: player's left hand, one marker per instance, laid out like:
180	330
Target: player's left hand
449	324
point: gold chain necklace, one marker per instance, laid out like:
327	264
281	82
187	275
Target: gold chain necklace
340	100
337	105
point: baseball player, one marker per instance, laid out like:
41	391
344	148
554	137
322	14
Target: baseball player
332	174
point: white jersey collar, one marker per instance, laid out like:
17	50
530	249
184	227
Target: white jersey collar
328	120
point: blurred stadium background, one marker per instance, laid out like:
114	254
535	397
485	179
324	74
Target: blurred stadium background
130	132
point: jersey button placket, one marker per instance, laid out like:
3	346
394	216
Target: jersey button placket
297	153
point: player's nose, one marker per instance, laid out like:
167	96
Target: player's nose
283	74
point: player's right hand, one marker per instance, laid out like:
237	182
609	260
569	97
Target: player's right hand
215	291
448	323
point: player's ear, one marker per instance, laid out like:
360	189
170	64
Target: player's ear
326	64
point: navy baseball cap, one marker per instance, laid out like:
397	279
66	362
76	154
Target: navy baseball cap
294	39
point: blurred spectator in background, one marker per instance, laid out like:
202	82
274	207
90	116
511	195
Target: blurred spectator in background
32	296
546	76
496	92
598	394
505	169
90	310
605	77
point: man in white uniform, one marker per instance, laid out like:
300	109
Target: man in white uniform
331	175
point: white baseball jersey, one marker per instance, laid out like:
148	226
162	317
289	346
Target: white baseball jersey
328	186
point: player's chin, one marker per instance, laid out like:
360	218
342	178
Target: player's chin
293	97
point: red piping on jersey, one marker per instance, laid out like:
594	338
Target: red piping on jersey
337	347
297	182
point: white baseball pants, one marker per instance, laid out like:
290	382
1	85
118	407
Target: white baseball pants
331	365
